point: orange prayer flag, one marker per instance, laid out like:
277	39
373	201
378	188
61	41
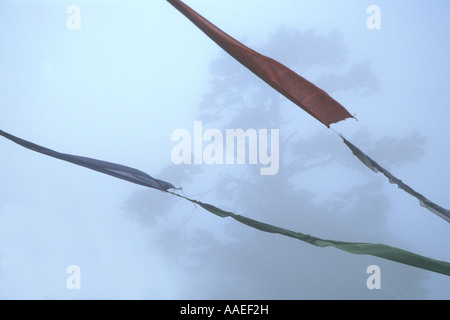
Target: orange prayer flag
303	93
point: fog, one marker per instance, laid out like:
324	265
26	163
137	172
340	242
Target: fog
136	71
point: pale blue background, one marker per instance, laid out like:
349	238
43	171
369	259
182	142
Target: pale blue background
137	70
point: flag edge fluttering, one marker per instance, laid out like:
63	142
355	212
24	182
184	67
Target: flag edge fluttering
318	99
377	250
210	29
375	167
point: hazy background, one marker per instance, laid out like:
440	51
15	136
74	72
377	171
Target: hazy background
138	70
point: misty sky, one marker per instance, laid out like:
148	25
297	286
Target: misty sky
135	71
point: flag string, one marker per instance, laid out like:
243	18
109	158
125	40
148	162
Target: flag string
138	177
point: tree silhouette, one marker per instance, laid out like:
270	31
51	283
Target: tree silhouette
242	263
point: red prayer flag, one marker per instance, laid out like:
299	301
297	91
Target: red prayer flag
303	93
